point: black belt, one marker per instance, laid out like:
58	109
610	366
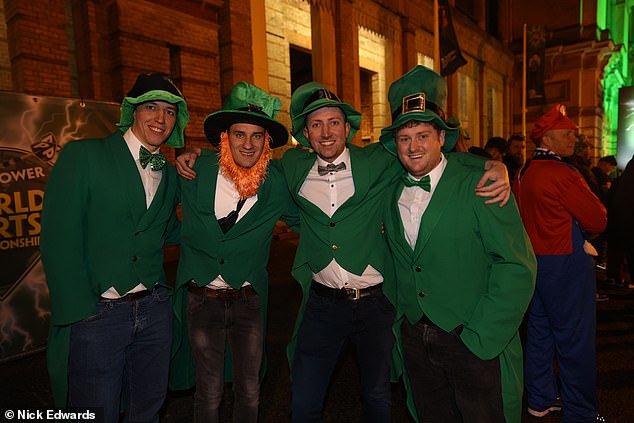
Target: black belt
222	294
134	296
344	293
426	321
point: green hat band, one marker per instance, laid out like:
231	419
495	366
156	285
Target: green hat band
321	94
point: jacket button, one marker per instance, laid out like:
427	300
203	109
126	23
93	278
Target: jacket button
334	248
332	224
419	269
134	258
421	294
221	261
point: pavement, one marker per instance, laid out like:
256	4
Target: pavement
24	381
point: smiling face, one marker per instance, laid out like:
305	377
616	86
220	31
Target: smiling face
153	123
246	142
418	147
561	141
327	130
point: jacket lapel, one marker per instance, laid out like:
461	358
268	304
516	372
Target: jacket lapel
447	186
395	221
158	202
248	220
128	176
304	165
206	195
360	178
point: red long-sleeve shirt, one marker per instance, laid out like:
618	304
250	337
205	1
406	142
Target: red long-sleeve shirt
549	195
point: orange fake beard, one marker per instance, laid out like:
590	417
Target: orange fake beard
246	181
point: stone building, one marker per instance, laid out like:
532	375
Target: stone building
93	49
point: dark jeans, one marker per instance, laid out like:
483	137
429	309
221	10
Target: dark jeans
212	322
328	325
449	383
124	348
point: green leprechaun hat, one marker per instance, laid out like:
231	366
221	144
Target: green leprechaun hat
247	103
421	95
312	96
156	86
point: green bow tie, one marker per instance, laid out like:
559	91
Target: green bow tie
424	183
156	160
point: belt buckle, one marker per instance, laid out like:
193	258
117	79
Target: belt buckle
357	294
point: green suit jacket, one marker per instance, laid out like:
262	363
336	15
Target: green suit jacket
98	233
241	254
353	235
475	265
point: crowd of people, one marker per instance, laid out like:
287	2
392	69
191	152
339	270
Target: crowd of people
379	229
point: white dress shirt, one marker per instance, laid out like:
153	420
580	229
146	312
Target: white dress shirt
151	180
226	201
329	192
414	201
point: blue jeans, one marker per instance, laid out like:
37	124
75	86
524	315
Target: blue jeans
449	383
122	352
327	327
213	322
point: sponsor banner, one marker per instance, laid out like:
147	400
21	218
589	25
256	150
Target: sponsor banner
34	130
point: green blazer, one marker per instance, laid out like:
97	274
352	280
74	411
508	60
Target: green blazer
475	265
97	233
353	235
241	254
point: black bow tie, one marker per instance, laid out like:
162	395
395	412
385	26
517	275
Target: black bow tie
330	167
229	220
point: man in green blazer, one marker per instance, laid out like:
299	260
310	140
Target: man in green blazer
229	212
465	271
348	292
340	261
108	210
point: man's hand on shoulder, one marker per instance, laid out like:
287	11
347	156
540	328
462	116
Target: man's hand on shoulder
185	163
499	191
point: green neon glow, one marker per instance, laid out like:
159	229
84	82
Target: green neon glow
580	17
601	14
617	17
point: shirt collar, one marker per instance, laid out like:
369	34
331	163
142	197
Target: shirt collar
343	157
435	174
542	152
134	145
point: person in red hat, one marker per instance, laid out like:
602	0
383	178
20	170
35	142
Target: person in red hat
560	212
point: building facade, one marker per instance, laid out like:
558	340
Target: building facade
93	49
